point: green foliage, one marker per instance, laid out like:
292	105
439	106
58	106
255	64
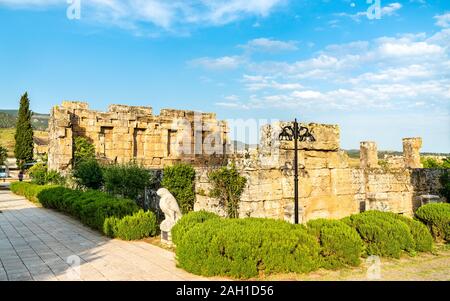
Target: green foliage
434	163
38	174
3	155
28	190
128	180
179	180
133	227
188	221
382	234
84	150
340	243
437	218
227	186
88	174
423	240
244	248
91	207
23	150
445	182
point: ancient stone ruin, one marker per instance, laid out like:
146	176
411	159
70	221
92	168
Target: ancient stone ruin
329	187
127	133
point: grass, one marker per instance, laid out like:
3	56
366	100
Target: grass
7	139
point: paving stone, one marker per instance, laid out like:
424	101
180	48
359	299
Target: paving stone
38	241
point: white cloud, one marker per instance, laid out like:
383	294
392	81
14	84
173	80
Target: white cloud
443	20
388	10
168	15
221	63
395	73
269	45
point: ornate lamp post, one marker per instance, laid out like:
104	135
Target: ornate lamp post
296	133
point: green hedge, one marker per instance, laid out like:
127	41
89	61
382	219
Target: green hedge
28	190
340	244
91	207
382	234
244	248
114	217
137	226
188	221
423	240
437	218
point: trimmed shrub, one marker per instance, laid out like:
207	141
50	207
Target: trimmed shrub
179	180
423	241
244	248
437	219
137	226
188	221
382	234
88	174
91	207
28	190
340	243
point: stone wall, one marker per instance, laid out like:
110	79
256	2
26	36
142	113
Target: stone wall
328	187
127	133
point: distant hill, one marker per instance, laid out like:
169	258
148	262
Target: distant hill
8	119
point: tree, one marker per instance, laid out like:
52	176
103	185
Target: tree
3	155
23	151
84	150
227	186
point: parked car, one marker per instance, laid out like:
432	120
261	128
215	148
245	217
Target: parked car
4	172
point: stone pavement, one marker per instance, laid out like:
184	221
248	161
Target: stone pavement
42	244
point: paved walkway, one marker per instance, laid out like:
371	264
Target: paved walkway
42	244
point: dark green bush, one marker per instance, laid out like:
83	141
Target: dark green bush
91	207
179	180
188	221
227	186
88	174
137	226
340	243
28	190
244	248
38	174
127	180
437	219
423	241
382	234
445	182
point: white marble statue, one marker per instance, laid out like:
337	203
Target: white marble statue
169	206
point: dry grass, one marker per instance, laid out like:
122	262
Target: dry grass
7	139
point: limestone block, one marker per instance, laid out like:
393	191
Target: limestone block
411	152
368	155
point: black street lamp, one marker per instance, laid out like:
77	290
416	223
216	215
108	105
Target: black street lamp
296	133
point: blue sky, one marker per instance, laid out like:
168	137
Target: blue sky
320	61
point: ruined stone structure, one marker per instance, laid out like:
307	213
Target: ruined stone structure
126	133
328	187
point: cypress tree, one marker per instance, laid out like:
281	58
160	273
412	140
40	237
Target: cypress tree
23	151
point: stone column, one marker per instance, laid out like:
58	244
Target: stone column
411	152
368	155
